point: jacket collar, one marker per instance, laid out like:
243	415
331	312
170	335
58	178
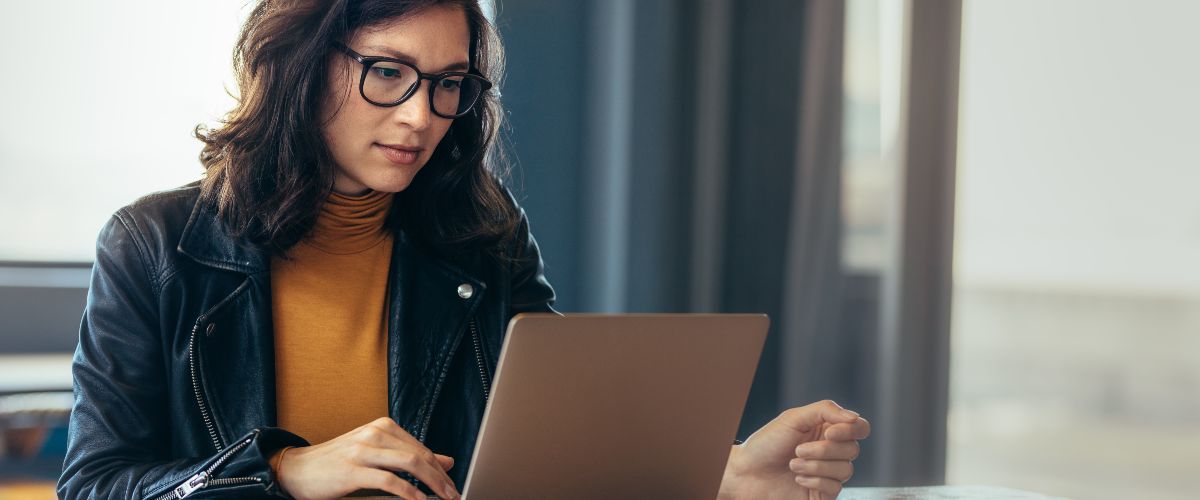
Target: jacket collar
206	240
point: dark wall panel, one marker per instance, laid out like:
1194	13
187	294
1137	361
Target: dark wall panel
40	319
767	49
544	96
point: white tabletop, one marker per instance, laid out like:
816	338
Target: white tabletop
940	493
35	372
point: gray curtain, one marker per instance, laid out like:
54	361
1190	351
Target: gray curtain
685	156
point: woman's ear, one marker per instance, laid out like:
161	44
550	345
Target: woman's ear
455	151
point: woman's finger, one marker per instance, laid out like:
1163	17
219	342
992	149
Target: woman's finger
420	463
822	484
378	436
859	429
838	470
368	478
391	428
828	450
387	445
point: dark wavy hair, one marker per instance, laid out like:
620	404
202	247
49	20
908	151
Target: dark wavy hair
268	168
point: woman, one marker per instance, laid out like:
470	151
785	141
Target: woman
241	337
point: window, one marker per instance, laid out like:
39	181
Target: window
1075	358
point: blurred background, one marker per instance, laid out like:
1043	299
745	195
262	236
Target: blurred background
973	221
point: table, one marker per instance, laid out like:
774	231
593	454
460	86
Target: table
940	493
34	372
917	493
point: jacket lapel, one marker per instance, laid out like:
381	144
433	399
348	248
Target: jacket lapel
431	305
238	350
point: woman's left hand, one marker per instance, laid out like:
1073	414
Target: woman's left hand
805	453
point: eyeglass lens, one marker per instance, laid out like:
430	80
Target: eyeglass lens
388	83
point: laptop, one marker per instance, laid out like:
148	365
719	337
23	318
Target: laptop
615	406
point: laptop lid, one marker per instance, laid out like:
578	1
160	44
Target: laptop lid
613	406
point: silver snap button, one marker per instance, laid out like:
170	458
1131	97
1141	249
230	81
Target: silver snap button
465	290
208	330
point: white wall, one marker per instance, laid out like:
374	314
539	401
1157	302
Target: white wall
1079	130
99	100
1074	354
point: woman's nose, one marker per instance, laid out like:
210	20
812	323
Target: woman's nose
415	112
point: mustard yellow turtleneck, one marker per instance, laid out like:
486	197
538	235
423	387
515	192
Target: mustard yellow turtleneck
329	303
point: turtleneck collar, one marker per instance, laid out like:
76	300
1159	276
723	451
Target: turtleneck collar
351	224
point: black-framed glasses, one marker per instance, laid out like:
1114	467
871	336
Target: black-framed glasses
388	82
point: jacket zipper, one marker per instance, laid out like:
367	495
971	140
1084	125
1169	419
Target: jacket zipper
193	365
204	478
483	376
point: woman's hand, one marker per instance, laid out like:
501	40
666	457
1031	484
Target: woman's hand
365	458
805	453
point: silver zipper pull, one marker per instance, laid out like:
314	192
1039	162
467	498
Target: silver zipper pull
194	483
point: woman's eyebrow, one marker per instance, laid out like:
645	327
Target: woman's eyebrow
395	54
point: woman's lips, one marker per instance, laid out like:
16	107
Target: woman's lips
400	155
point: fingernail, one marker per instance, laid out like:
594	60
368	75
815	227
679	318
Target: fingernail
796	464
850	413
450	492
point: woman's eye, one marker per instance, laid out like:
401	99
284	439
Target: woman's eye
448	84
385	72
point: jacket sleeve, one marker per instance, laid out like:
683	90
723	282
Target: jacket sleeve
119	431
531	292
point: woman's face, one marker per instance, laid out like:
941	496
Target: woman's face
379	148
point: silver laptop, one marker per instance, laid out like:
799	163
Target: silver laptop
615	406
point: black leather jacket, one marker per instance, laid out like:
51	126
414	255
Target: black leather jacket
175	376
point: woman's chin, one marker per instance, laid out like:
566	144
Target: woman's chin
391	182
385	178
391	187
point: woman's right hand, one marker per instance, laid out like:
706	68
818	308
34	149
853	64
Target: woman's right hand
365	458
